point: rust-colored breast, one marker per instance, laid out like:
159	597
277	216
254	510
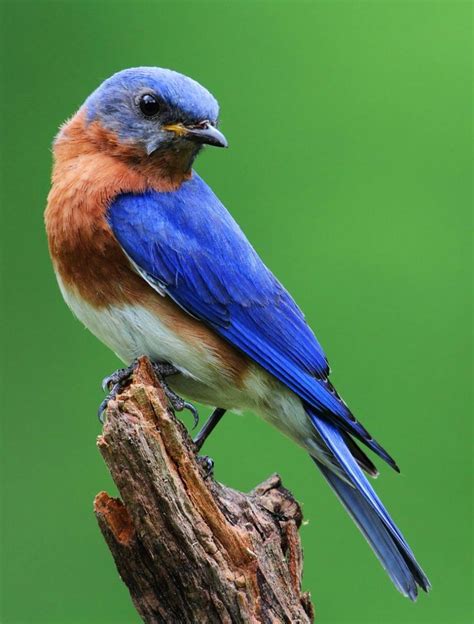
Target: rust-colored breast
85	253
91	168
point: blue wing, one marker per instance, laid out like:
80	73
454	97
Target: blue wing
189	246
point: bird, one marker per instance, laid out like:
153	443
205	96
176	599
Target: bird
152	263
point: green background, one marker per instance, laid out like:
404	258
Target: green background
349	170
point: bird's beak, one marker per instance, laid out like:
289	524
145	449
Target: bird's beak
204	133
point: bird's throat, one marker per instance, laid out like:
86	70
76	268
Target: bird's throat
165	169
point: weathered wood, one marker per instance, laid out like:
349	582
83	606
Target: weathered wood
189	549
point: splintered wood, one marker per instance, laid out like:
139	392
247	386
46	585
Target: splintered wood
189	549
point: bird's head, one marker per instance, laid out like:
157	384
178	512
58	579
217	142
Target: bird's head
156	111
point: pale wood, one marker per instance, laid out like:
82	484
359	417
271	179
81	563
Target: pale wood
189	549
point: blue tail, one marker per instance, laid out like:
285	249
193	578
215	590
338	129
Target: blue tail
369	514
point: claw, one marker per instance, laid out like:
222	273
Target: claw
190	407
178	404
208	465
112	385
115	382
163	370
103	406
106	381
101	410
117	376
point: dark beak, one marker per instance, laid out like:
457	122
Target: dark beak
204	133
208	135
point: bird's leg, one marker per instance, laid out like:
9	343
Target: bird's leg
114	383
163	370
206	461
208	427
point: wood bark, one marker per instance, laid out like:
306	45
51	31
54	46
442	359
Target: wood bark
189	549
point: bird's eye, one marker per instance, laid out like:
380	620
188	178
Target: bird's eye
149	105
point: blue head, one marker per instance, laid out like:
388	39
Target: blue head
156	109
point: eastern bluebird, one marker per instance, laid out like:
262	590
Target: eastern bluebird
152	263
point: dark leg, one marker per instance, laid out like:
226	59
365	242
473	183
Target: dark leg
208	427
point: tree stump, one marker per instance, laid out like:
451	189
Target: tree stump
189	549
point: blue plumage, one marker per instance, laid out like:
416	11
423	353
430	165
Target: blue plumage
188	242
364	506
115	105
180	93
188	245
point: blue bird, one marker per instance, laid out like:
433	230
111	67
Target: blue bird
149	259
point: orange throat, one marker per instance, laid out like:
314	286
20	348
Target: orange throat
91	167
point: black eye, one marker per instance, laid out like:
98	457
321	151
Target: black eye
149	105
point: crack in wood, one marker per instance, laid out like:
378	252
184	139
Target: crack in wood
189	549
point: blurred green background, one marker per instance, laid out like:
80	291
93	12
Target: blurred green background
349	170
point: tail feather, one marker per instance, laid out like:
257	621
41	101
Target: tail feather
368	512
364	462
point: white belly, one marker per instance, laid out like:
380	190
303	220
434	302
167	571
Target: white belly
132	331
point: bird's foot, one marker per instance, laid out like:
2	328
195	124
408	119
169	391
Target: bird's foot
114	383
207	464
178	404
118	377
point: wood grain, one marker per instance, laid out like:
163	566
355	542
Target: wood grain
189	549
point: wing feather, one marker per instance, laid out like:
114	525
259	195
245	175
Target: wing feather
187	243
